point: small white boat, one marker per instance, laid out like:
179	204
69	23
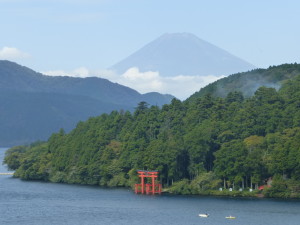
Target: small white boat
204	215
230	217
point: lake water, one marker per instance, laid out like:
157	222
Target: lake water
40	203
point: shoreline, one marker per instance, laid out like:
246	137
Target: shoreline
258	194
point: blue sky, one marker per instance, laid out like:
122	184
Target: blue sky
84	37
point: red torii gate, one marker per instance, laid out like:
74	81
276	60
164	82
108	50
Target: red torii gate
148	188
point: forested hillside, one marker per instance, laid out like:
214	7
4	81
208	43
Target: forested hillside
249	82
198	146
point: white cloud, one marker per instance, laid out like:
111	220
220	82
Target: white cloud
184	86
142	82
56	73
82	72
181	86
79	72
12	53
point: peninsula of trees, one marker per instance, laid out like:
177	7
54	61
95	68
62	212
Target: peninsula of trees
198	146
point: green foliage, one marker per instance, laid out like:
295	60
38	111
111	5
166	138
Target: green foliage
197	146
279	188
13	157
35	163
205	182
181	187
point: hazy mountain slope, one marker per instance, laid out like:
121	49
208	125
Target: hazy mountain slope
154	96
32	105
27	117
20	78
249	82
183	54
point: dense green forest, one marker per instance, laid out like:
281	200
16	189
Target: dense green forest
197	146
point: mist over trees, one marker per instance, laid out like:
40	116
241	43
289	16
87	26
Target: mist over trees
248	82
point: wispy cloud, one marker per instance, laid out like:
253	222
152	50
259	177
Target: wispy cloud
12	53
142	82
179	86
79	72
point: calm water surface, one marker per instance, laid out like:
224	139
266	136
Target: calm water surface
46	203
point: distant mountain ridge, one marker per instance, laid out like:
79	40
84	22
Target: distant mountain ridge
19	78
33	105
183	54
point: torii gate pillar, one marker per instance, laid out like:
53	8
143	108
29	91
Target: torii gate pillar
148	188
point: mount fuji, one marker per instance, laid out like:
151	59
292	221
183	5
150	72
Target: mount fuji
183	54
